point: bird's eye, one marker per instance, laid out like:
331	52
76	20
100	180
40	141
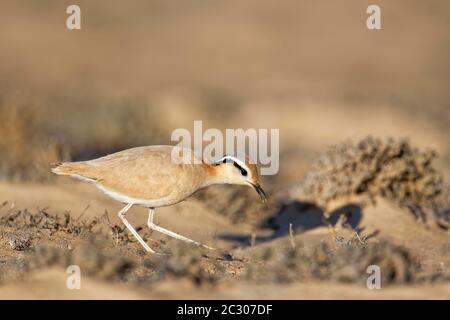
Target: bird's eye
243	171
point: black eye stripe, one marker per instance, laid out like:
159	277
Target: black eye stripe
243	171
227	160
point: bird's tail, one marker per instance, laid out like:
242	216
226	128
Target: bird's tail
68	168
59	168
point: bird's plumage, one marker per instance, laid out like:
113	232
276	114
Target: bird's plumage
138	174
156	176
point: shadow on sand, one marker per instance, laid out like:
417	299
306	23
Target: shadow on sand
304	216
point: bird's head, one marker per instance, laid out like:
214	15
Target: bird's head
236	171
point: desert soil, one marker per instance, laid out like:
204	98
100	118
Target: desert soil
428	244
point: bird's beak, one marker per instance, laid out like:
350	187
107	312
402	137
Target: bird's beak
260	191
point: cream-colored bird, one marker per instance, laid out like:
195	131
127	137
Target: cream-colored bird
158	176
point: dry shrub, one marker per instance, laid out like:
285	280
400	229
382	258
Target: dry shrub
320	261
372	168
24	152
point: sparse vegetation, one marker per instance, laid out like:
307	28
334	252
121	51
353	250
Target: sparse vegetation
28	143
40	240
48	240
372	167
25	151
322	261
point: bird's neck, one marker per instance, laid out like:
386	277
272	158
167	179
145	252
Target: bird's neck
216	175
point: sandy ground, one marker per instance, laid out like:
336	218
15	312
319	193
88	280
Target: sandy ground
191	218
51	285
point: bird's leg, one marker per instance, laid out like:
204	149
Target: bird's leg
121	215
155	227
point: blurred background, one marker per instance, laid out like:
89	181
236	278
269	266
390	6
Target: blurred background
138	70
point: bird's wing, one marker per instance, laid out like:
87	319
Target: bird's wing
148	173
142	173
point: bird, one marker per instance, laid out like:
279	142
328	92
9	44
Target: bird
158	176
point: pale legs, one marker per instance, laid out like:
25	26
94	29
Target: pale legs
155	227
121	215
